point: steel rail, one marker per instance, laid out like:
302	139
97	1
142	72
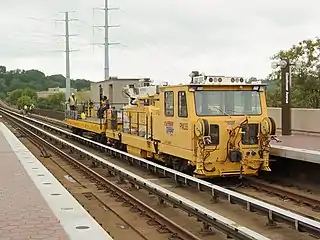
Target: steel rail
283	193
273	213
177	231
208	217
37	116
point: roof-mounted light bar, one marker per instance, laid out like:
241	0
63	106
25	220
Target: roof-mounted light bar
223	80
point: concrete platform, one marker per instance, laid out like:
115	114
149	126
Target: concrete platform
33	204
300	147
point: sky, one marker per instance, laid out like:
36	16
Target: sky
164	40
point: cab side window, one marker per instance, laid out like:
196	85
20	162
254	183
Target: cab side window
182	104
169	103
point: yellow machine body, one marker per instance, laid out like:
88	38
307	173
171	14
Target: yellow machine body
209	130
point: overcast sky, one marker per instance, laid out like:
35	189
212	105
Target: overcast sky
161	39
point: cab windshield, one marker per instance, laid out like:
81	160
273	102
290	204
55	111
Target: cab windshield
232	103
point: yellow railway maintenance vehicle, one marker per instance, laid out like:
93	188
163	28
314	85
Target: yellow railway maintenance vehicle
212	127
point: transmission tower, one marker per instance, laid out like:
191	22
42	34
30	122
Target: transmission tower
67	50
106	43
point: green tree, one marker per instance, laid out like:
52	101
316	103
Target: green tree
24	100
3	86
15	83
306	80
80	84
3	70
2	95
14	96
31	93
44	103
57	101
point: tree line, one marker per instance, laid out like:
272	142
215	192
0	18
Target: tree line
36	80
19	87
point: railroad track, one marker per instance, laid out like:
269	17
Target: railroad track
259	185
284	194
54	121
249	182
217	193
89	162
255	183
262	186
157	221
296	200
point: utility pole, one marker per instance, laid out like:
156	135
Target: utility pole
106	42
67	51
67	57
106	38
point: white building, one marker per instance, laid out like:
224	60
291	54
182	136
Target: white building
44	94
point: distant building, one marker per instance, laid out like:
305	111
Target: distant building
44	94
112	88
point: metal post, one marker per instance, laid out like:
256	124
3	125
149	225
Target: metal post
67	50
67	57
286	98
106	42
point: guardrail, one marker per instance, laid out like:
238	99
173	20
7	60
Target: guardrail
272	212
208	217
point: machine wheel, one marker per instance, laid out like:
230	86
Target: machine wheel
201	128
268	126
273	126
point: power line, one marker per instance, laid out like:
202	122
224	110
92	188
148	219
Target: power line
106	43
67	50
